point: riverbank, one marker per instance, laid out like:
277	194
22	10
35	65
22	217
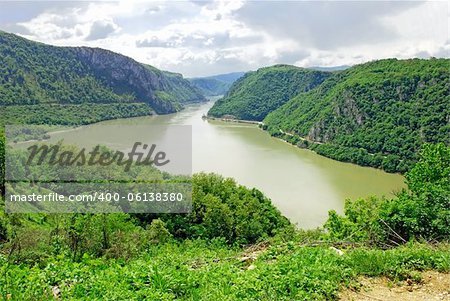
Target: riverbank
259	123
359	156
353	155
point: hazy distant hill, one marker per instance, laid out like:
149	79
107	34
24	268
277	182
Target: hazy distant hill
334	68
217	84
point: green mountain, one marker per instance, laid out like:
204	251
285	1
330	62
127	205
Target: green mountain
377	114
34	73
217	84
259	92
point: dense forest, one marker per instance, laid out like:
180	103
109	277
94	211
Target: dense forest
217	84
56	114
35	73
376	114
260	92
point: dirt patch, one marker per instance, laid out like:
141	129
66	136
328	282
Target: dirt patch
434	286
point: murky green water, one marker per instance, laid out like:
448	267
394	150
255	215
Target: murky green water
302	184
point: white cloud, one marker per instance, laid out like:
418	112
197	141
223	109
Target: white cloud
201	38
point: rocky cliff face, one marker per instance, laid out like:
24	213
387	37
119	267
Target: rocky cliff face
124	75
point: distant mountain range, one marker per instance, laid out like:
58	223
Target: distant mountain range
217	84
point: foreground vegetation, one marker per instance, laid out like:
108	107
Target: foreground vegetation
199	270
233	246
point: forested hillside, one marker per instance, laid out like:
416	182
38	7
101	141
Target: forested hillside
217	84
258	93
33	73
377	114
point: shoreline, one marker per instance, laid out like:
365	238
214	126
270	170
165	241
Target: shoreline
232	120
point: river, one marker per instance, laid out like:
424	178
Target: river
302	184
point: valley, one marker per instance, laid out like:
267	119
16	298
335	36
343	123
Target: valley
302	184
337	180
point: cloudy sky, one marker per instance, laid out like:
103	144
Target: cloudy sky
199	38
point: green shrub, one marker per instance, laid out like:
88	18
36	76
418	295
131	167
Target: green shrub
424	210
157	232
359	223
421	212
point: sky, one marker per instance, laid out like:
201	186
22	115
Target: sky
201	38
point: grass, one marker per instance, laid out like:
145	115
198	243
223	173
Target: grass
200	270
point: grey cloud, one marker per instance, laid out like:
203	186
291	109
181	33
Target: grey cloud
153	42
153	9
14	13
203	67
442	52
64	34
290	57
225	61
324	25
100	30
202	3
16	28
174	41
423	54
243	41
157	15
219	40
21	11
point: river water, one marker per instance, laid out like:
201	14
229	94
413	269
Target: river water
302	184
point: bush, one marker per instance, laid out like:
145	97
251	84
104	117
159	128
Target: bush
359	223
157	232
222	208
422	212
